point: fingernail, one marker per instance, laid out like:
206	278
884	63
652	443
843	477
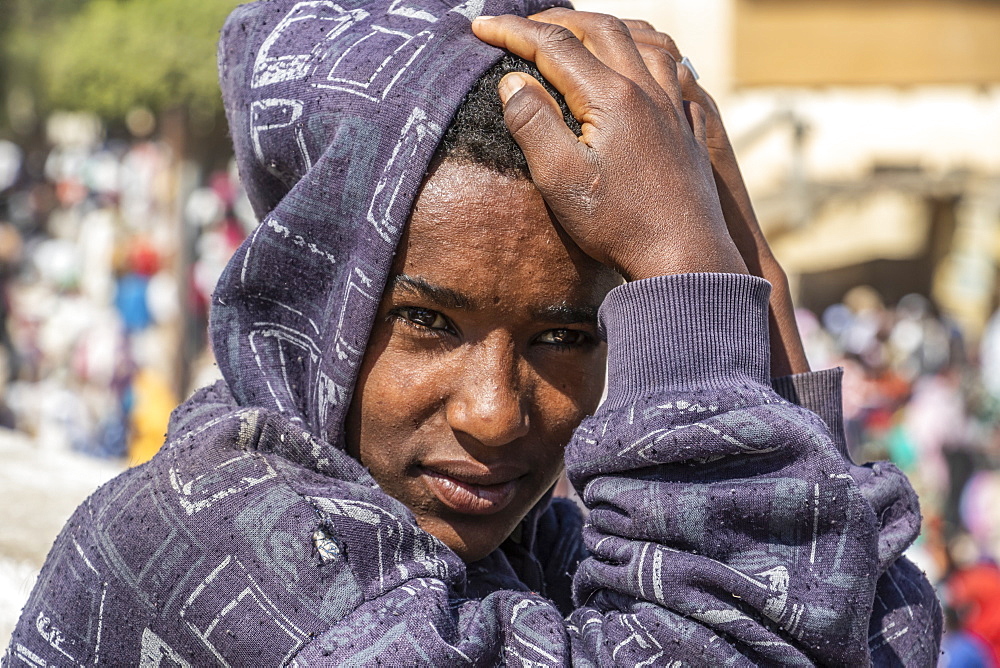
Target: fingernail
510	84
484	18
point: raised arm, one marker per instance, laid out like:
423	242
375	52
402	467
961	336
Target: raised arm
624	85
635	191
726	527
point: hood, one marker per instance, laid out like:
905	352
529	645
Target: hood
335	110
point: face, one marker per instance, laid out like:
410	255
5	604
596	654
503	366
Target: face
483	358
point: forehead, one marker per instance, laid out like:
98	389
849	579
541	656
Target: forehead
475	229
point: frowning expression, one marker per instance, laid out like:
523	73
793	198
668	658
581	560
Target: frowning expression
483	358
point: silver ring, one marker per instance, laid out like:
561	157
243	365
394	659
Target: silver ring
686	62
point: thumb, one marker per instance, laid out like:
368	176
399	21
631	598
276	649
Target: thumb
536	122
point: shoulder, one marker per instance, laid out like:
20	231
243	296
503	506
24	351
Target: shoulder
187	553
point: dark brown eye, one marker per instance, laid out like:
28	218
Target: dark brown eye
563	337
423	316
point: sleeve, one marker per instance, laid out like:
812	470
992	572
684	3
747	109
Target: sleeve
904	599
725	528
726	523
819	392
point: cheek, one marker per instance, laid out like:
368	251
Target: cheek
563	402
576	388
393	398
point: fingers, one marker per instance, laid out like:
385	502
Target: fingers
638	24
663	68
561	58
662	58
649	41
607	37
536	123
689	86
716	131
654	38
696	119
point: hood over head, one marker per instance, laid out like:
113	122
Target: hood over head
335	110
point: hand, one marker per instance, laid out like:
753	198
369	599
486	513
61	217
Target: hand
787	352
636	190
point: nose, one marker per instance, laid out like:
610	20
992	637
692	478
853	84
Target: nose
489	401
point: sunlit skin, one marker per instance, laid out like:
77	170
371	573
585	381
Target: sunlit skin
484	356
483	359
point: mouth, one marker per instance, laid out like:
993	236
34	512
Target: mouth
470	490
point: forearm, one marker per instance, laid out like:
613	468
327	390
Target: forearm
905	627
713	498
787	352
726	526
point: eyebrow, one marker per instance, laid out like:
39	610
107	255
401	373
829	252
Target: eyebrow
565	314
445	297
561	313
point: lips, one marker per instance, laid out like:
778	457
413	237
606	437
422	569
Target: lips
470	490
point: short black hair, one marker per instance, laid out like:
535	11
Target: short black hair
478	133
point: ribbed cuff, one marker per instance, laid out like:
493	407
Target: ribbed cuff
686	331
820	392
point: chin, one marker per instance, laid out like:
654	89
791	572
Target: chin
474	552
471	539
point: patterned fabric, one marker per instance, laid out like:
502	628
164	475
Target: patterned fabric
335	109
725	528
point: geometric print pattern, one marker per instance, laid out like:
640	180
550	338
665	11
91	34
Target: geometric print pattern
725	526
211	553
335	109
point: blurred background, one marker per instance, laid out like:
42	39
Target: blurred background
868	132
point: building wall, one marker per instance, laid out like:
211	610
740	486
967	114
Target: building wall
858	123
701	28
865	42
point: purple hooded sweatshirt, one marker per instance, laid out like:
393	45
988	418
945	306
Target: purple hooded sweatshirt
726	525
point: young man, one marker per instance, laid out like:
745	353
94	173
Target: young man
413	345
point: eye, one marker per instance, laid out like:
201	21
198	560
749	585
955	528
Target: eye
564	337
421	317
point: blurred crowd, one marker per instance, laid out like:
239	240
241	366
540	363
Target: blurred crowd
105	278
916	392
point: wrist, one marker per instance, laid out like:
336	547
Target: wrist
681	332
668	258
